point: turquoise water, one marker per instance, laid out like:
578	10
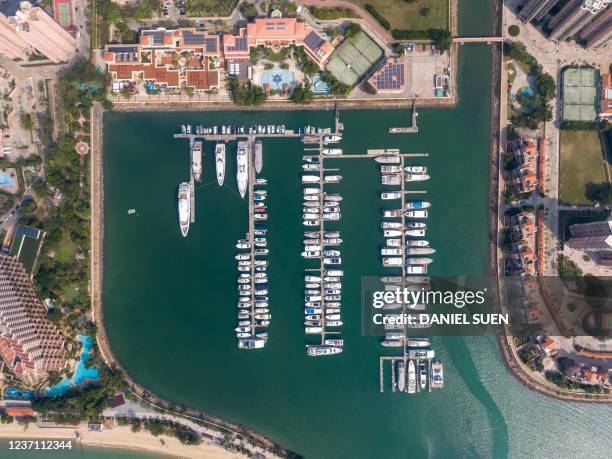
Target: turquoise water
81	374
277	77
6	179
319	86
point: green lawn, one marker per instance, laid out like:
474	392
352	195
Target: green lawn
403	15
581	164
66	250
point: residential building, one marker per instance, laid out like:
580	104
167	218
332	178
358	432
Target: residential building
11	44
595	236
522	177
574	16
167	60
605	102
30	344
278	32
536	9
598	33
31	30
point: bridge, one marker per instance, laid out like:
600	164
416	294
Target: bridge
488	40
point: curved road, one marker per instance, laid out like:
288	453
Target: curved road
372	23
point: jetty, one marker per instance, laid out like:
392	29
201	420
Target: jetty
413	129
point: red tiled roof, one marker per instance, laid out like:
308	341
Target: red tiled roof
202	79
19	411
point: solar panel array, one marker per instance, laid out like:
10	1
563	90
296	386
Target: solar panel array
390	76
211	45
241	45
157	36
191	38
313	41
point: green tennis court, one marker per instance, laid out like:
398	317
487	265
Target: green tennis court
354	58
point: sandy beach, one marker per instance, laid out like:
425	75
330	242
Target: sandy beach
118	437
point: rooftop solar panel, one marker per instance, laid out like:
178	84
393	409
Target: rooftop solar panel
156	35
211	45
122	49
241	44
191	38
313	41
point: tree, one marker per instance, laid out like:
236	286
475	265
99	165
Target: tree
399	49
424	11
25	121
514	30
546	86
302	94
352	29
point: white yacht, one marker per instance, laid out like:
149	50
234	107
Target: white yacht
196	161
243	168
411	378
220	162
184	207
390	195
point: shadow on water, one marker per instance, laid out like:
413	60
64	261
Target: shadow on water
459	354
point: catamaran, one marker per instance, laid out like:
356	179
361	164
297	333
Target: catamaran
243	168
220	162
184	207
196	161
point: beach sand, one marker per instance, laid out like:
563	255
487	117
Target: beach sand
118	437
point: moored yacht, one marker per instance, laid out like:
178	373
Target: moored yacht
242	174
220	162
196	161
184	207
411	378
401	375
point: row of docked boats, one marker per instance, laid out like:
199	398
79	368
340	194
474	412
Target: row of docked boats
233	130
407	379
322	285
252	284
392	172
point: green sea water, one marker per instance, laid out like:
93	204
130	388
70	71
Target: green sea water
170	302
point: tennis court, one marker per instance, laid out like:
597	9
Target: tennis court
580	94
62	13
354	58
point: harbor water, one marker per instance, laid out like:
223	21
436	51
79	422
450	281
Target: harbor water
170	302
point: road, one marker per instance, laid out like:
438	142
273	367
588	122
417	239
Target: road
371	23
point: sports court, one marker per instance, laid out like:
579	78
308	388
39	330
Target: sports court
580	94
62	13
354	58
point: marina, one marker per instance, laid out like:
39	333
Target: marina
196	337
323	283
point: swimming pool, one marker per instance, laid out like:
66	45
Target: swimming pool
319	86
276	78
81	374
6	179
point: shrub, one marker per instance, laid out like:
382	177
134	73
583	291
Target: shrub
376	15
514	30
